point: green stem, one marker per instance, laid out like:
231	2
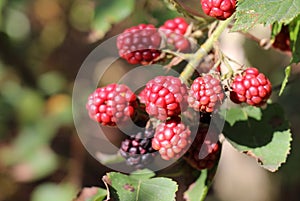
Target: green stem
228	66
203	50
185	11
178	54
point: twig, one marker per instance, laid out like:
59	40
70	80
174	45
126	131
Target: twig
203	50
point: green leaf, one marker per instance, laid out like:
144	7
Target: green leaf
235	114
198	190
286	79
276	28
140	186
254	112
101	194
252	12
294	29
267	140
143	174
108	12
241	114
52	191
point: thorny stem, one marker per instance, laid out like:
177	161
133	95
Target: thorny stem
203	50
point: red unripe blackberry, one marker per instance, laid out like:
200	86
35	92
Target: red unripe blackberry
205	149
174	30
220	9
171	139
137	149
112	104
177	25
251	87
165	96
205	93
139	44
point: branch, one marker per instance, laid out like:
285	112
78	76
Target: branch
204	49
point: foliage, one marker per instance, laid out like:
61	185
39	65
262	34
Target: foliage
109	12
198	190
266	135
250	13
140	186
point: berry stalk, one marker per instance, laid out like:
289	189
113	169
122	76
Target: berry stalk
203	50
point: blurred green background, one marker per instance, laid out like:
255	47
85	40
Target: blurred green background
42	46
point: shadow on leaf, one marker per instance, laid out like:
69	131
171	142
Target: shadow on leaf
253	133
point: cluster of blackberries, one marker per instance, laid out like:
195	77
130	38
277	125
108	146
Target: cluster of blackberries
166	98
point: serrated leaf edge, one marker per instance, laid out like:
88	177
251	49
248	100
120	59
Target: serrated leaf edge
248	153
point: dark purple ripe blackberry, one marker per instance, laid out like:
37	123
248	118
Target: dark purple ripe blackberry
137	149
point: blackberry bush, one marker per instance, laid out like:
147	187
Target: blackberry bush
207	78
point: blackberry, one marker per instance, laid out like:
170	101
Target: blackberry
171	139
174	30
205	94
251	87
137	149
178	25
112	104
139	44
220	9
165	96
